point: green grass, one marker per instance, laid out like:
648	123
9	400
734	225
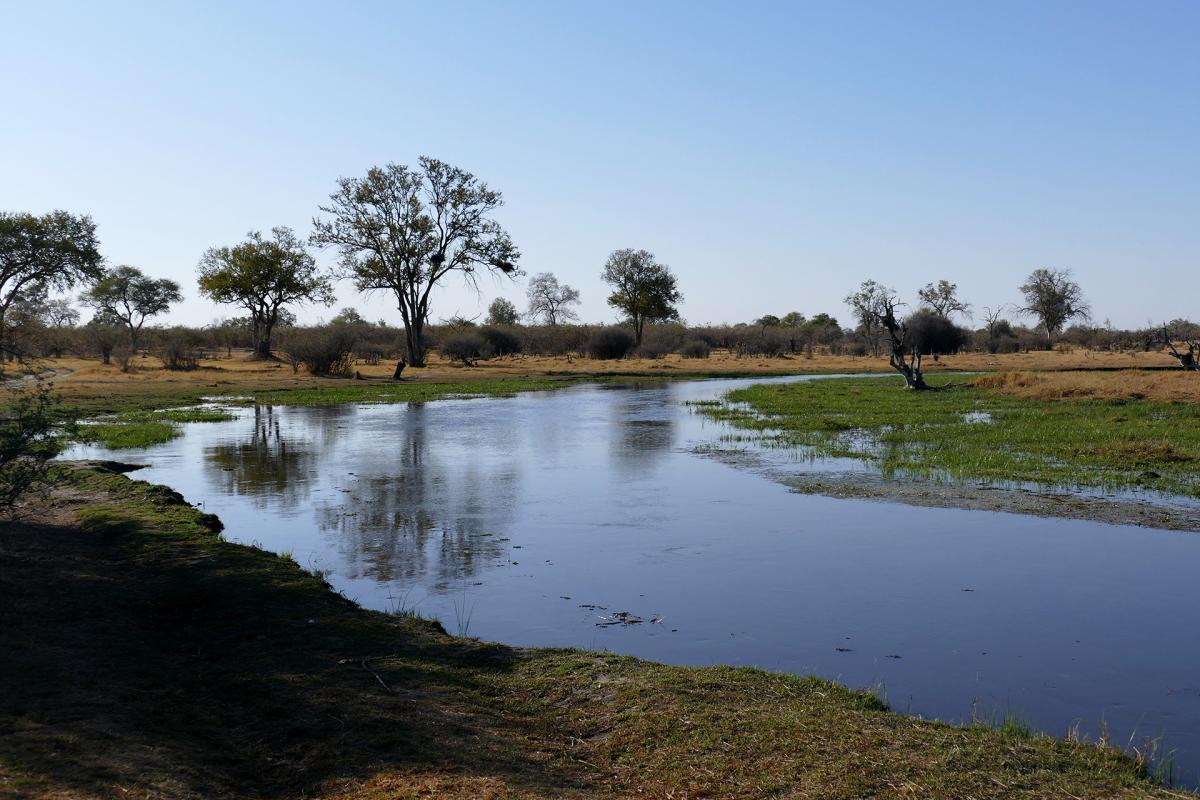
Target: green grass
223	671
365	392
142	428
1113	444
146	425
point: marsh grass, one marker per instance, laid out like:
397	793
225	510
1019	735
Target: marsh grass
136	428
968	431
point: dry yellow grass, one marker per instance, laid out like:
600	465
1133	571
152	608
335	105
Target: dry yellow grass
81	379
1162	387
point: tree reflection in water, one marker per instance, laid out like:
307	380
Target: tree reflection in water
269	467
413	510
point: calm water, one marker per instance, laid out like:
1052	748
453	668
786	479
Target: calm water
533	520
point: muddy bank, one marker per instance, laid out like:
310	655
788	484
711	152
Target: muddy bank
916	491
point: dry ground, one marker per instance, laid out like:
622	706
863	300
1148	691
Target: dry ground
1175	386
86	380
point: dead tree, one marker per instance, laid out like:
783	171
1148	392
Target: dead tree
875	307
1189	360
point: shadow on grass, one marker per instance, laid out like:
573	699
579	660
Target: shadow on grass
216	670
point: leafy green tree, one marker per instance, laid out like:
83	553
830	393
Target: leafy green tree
793	323
502	312
31	425
130	296
643	289
406	230
40	254
103	334
264	276
767	321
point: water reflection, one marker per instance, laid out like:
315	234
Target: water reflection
533	510
266	464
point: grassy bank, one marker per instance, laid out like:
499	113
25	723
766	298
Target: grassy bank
94	388
143	656
988	428
152	420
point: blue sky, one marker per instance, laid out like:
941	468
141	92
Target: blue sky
775	155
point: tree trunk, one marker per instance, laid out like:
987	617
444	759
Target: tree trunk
414	335
913	377
262	348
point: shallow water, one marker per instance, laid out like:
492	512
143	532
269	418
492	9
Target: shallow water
532	520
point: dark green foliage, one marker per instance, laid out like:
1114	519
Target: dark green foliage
31	426
466	346
610	343
502	341
931	333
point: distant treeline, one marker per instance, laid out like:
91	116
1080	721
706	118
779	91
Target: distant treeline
333	347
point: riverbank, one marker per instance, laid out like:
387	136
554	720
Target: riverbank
1009	441
148	657
94	388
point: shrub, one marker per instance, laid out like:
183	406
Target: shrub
180	349
857	348
658	340
651	349
327	350
696	348
465	347
29	438
762	343
503	341
553	340
930	333
610	343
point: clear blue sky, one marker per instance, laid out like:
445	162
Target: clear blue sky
774	155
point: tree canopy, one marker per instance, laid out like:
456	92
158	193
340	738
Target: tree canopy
405	230
643	289
1053	298
130	296
502	312
550	301
942	299
263	276
39	254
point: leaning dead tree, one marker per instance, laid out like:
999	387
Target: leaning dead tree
1174	336
875	306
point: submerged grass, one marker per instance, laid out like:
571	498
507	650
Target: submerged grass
220	670
142	428
366	392
146	424
969	431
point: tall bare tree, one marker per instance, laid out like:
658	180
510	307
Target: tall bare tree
405	230
1054	299
875	306
1176	334
549	301
942	299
